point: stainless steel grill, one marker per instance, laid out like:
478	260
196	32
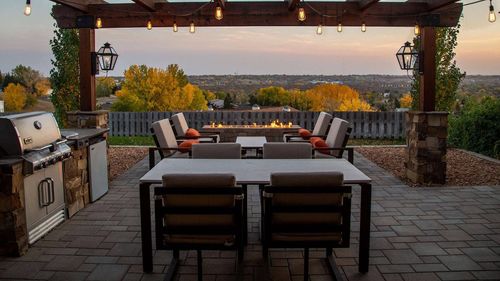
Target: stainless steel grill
35	137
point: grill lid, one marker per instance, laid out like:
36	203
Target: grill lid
25	132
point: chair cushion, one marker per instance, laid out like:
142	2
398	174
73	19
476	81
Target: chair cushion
304	133
336	135
322	123
186	145
307	237
180	124
164	134
192	133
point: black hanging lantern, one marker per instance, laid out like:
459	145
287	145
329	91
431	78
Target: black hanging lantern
107	57
407	57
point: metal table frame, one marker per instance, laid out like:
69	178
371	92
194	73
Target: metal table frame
241	169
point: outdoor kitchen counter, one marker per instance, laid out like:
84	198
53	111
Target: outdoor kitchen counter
9	162
76	169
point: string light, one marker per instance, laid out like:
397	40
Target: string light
149	25
339	27
98	23
191	27
363	27
218	12
492	17
302	14
174	27
319	30
27	8
416	29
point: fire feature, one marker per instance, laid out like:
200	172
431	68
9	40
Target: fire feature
273	124
273	131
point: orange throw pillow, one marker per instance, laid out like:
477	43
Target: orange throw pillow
304	133
318	144
313	140
192	133
186	145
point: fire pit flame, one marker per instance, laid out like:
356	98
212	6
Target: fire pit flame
274	124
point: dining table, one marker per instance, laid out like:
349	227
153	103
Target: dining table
254	172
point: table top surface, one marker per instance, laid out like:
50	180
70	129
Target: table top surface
251	142
253	171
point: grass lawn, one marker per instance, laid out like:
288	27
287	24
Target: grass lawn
148	141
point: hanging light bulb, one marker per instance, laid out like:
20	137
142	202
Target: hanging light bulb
27	8
149	25
302	14
363	27
218	12
191	27
319	29
416	30
174	27
492	17
339	27
98	23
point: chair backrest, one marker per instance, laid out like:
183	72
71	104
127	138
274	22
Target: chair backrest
338	135
322	124
180	124
299	205
164	136
216	151
289	150
188	208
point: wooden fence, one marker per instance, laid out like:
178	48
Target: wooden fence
364	124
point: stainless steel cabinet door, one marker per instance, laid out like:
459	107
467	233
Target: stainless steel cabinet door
54	173
36	194
98	166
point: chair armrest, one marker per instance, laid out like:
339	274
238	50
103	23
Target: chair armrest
152	151
288	137
350	151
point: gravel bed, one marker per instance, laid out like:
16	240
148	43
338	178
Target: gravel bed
123	158
463	169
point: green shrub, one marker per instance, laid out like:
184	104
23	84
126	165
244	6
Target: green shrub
477	127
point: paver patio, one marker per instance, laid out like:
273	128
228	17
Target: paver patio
417	234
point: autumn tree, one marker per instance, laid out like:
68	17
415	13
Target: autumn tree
406	100
42	87
105	86
155	89
27	76
336	97
448	74
15	97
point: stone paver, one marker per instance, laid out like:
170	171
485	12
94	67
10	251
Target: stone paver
426	234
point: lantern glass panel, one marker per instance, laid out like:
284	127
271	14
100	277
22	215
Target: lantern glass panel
108	57
407	57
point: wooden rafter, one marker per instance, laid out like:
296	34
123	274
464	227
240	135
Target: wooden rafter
146	4
292	4
365	4
81	6
258	14
222	3
433	5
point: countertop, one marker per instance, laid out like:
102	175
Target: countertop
84	133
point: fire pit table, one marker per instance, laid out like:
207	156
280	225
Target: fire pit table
229	133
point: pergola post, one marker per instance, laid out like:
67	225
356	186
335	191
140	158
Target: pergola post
87	78
426	129
87	116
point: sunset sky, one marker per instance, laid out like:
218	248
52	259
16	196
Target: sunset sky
253	50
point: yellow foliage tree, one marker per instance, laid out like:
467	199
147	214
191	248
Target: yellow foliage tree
42	87
406	101
156	89
15	97
336	97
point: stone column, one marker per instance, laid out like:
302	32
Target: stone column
13	230
88	119
426	134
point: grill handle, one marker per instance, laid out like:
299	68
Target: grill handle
43	188
52	194
51	146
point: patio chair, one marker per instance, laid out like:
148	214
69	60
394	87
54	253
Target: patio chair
320	130
183	131
335	142
198	212
216	151
279	150
166	144
307	210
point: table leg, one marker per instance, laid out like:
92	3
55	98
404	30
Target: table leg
364	231
147	246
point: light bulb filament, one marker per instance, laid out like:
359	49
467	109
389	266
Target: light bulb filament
302	14
98	23
191	27
319	30
149	25
339	27
174	27
218	13
363	27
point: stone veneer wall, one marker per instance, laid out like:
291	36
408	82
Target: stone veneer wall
76	180
426	134
88	119
230	134
13	230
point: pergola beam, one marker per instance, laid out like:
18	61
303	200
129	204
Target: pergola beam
436	5
292	4
258	14
146	4
81	6
365	4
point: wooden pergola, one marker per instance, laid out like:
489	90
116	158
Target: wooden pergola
428	14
